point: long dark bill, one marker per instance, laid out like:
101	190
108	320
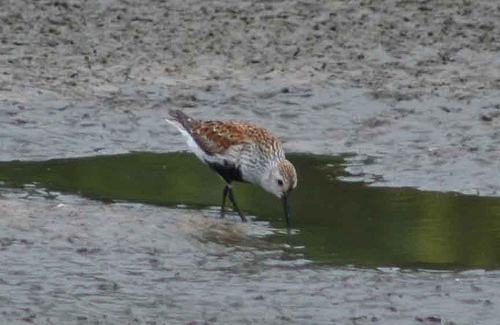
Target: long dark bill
286	209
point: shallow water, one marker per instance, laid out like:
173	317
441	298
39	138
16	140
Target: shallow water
336	220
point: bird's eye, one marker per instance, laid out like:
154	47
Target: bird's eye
280	182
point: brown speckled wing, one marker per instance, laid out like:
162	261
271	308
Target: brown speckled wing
217	136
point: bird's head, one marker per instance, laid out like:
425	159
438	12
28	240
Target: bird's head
281	180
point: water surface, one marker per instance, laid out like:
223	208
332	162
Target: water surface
337	222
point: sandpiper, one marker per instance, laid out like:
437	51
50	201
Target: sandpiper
240	151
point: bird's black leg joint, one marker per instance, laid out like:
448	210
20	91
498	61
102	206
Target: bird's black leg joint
229	173
224	195
233	201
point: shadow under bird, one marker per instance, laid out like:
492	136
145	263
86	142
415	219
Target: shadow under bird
240	151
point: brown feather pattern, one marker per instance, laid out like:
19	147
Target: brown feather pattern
218	136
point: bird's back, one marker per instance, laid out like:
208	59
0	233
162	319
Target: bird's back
220	136
216	137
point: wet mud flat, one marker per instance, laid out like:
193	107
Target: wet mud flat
413	85
73	261
410	86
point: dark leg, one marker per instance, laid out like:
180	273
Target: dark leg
233	201
223	206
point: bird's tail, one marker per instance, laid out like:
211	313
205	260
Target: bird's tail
180	119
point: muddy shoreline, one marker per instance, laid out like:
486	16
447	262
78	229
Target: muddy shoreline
84	262
411	87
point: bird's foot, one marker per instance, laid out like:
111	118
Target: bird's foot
242	216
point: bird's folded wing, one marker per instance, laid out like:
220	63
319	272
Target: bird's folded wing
215	137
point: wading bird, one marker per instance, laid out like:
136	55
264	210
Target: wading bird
240	151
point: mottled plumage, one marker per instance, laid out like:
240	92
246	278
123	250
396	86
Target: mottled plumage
239	151
221	135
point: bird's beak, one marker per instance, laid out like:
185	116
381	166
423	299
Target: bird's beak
286	209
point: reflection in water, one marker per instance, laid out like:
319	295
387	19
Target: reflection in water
337	222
